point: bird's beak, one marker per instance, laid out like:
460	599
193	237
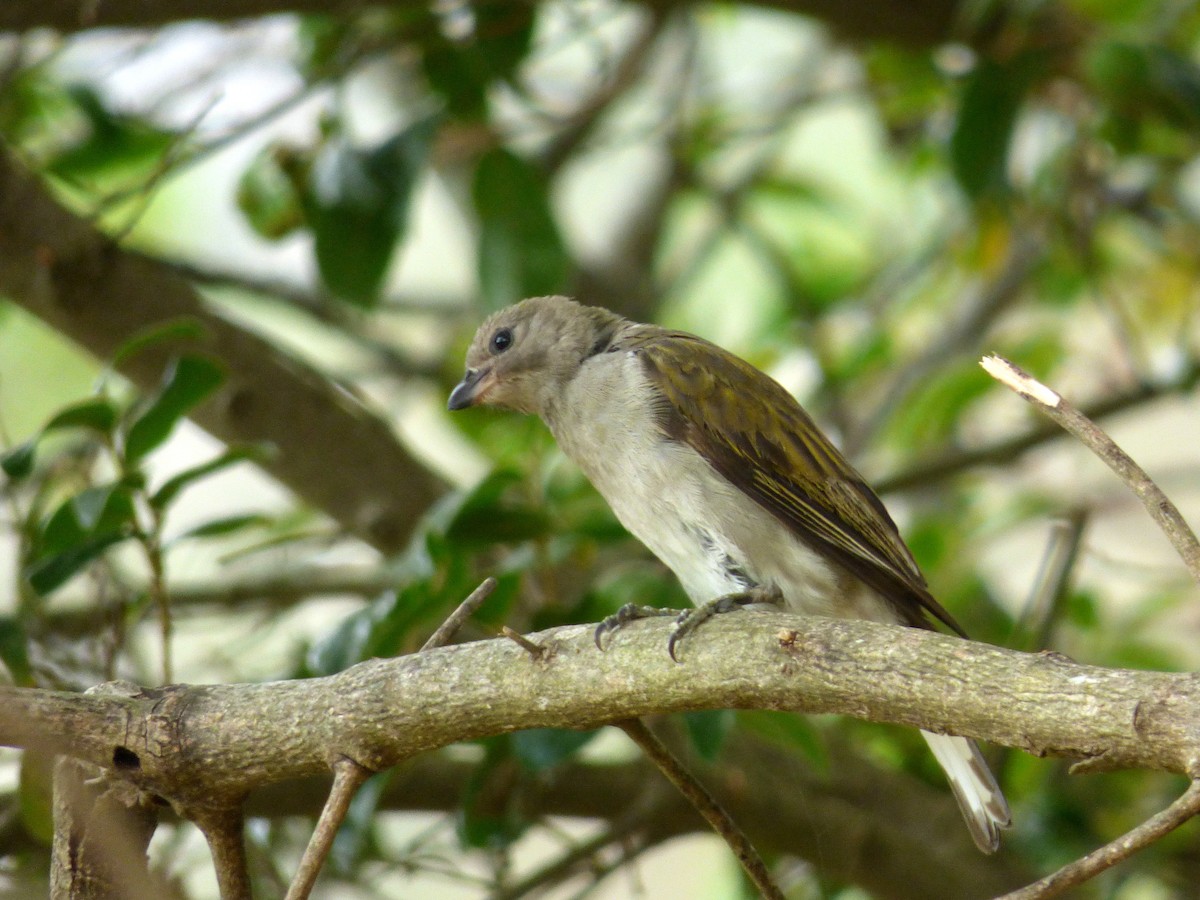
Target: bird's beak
472	388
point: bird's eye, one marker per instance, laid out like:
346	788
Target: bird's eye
502	340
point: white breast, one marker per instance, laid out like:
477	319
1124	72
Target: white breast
713	537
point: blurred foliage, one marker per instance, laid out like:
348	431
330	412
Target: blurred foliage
861	219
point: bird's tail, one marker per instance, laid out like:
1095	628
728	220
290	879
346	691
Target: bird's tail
978	795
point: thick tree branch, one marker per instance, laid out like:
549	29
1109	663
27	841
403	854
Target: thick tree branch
332	451
101	832
198	745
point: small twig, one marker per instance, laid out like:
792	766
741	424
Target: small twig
624	76
536	650
173	164
465	610
312	300
1161	509
348	777
950	462
222	828
1153	829
705	804
144	192
152	547
556	871
961	335
1054	580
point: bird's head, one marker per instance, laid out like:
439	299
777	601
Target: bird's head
522	356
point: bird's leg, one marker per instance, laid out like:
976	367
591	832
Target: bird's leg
690	619
627	614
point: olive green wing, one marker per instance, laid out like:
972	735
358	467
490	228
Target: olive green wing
757	436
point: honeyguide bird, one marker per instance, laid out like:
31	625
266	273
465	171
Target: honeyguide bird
721	473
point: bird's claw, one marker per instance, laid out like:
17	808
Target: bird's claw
687	620
690	619
626	614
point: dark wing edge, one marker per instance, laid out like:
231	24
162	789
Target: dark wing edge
721	405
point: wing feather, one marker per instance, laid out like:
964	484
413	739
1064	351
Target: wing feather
758	437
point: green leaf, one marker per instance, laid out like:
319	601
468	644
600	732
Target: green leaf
494	512
708	729
788	729
357	204
95	512
490	818
321	39
521	253
462	70
188	381
89	505
226	525
1146	80
1082	608
987	113
268	195
17	462
539	749
14	650
51	572
165	495
111	143
934	411
96	413
35	795
179	329
398	617
34	106
344	646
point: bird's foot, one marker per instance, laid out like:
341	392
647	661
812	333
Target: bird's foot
691	619
628	613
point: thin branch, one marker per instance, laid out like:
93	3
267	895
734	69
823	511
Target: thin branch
620	831
348	777
705	804
276	589
1155	828
1054	579
458	618
311	299
785	804
1161	509
222	827
534	649
151	544
962	335
624	76
952	462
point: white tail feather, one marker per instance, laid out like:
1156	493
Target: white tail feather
978	795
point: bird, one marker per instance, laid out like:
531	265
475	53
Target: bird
720	472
